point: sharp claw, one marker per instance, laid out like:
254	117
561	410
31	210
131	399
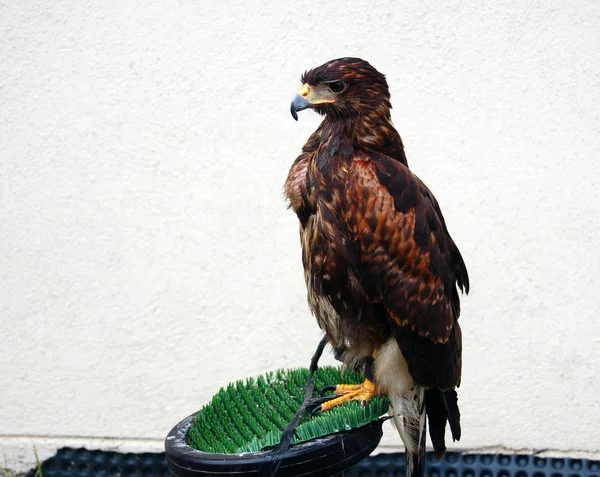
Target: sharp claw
363	403
317	402
321	400
327	388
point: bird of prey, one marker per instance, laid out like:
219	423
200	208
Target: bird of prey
381	269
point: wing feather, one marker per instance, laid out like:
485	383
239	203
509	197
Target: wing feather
409	263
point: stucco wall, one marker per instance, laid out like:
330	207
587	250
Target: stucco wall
146	254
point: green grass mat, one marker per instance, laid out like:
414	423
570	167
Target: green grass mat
250	415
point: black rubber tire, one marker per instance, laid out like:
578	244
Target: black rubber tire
322	457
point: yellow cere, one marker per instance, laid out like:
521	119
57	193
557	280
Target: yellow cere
304	90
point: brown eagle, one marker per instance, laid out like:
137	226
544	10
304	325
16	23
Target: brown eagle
380	266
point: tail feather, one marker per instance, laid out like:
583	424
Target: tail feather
409	415
451	404
442	408
437	421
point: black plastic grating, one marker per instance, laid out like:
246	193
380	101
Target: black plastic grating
455	464
70	462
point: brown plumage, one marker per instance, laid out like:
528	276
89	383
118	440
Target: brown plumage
380	266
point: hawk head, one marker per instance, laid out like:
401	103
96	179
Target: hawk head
342	88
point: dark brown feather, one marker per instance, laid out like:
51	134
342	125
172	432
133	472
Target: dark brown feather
406	262
437	417
442	407
379	261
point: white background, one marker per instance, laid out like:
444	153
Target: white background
146	254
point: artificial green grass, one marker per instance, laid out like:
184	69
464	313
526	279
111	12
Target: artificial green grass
250	415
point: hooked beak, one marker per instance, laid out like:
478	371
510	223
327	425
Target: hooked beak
309	97
302	100
298	104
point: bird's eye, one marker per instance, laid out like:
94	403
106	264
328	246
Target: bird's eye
337	86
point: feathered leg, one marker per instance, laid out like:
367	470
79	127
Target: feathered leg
408	413
407	404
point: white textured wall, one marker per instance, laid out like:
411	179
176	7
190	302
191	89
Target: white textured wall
146	255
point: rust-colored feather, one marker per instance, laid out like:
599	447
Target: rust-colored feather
388	213
379	261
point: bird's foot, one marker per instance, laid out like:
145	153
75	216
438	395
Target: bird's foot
343	393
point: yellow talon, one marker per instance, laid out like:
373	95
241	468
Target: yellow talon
351	392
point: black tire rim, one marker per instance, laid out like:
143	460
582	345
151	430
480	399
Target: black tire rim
321	457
